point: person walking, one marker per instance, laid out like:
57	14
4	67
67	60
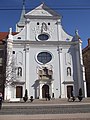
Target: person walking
73	96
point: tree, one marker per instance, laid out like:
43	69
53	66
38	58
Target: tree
25	98
2	66
10	70
80	97
80	92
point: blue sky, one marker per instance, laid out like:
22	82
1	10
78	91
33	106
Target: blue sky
76	14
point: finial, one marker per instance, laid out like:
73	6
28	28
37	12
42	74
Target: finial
23	2
43	2
76	32
10	31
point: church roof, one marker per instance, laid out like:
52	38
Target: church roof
4	35
42	11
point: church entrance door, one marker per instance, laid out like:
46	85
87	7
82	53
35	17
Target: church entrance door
45	91
69	91
19	92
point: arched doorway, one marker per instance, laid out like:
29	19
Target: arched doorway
45	90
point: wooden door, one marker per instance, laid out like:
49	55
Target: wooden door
69	91
45	91
19	92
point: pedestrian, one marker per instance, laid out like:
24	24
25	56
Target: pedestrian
1	98
49	97
73	96
68	96
46	96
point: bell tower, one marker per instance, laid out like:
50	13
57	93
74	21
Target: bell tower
20	25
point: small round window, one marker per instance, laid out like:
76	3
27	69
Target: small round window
44	57
43	37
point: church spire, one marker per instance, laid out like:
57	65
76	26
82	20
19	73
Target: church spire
22	19
23	2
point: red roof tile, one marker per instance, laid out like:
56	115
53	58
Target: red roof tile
4	35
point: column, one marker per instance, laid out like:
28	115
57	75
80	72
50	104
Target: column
27	69
59	27
28	29
78	64
60	69
83	81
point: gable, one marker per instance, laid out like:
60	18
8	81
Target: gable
43	11
39	12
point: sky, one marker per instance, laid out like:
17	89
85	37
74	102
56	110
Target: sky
75	13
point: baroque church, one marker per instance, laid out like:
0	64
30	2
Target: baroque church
43	58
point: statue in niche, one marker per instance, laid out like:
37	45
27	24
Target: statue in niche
68	71
19	73
43	27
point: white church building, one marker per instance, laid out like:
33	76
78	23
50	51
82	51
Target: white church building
43	58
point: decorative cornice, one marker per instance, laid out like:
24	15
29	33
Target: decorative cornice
41	17
45	42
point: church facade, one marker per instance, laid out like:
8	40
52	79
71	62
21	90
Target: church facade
43	58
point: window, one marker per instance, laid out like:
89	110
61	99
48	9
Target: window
37	23
1	53
68	71
44	57
19	38
13	52
43	37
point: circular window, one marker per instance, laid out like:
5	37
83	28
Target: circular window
44	57
43	37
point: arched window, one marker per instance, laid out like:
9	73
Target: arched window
68	71
19	73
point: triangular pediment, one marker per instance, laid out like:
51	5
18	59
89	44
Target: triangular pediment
43	11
